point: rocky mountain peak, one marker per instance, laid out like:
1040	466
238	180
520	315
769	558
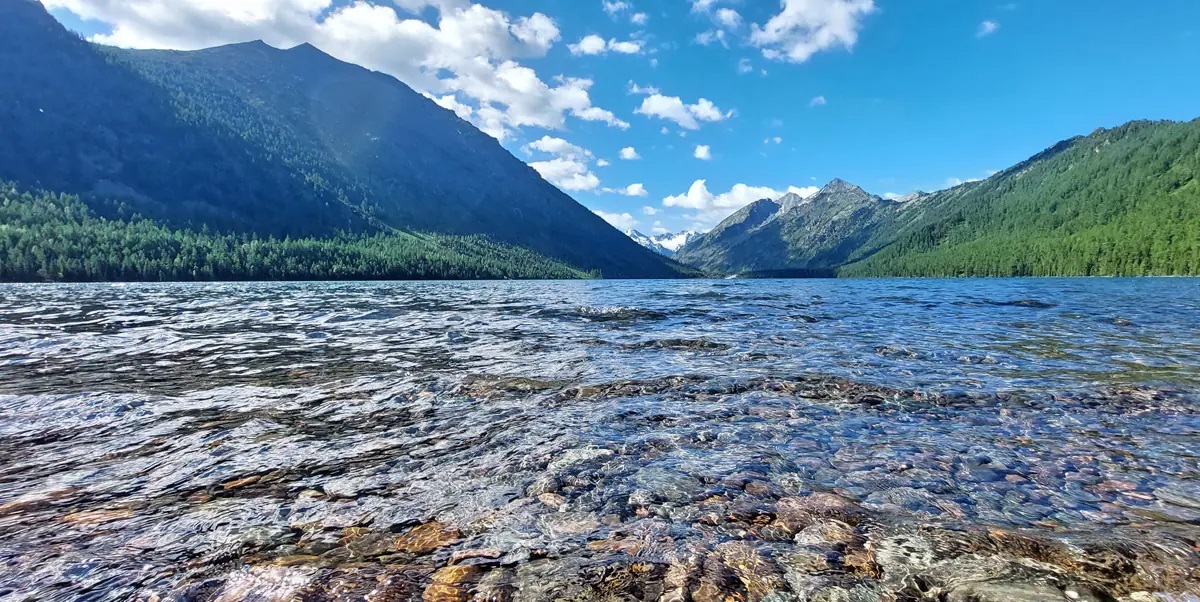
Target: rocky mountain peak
790	201
839	186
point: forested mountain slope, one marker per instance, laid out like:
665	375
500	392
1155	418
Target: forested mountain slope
53	237
1121	201
255	140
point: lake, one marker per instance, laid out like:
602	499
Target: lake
604	440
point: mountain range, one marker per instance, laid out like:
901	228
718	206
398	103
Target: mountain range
252	162
666	244
1120	201
254	141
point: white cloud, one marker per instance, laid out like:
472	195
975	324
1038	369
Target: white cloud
615	7
636	89
648	210
892	196
712	36
602	163
620	221
557	146
728	18
817	101
634	190
672	108
805	27
775	140
804	192
639	18
952	182
450	101
703	153
745	66
568	169
702	6
594	44
987	28
712	208
467	59
567	174
630	154
628	47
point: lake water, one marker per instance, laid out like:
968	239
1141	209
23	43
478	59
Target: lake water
865	440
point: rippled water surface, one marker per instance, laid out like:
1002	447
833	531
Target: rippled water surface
971	440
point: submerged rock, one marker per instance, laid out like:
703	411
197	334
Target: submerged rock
427	538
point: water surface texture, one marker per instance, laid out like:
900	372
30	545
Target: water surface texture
970	440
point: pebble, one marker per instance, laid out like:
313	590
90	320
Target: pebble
553	500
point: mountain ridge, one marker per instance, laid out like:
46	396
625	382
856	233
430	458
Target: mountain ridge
1121	201
273	142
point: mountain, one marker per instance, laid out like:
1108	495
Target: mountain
663	244
256	141
806	236
1121	201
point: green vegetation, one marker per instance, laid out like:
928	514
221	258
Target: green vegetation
1120	202
257	142
51	237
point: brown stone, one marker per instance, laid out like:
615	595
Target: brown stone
486	553
234	484
758	575
427	538
98	517
796	513
553	500
452	584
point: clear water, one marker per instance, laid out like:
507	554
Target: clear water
696	440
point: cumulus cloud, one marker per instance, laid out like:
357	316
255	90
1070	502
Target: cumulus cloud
648	210
630	154
672	108
987	28
620	221
712	208
467	58
569	166
639	18
817	101
745	66
702	6
805	27
634	190
703	152
602	163
594	44
727	17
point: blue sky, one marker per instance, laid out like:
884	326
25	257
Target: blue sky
893	95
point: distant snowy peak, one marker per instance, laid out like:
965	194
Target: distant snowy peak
663	244
674	242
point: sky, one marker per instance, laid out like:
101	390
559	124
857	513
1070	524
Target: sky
665	115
